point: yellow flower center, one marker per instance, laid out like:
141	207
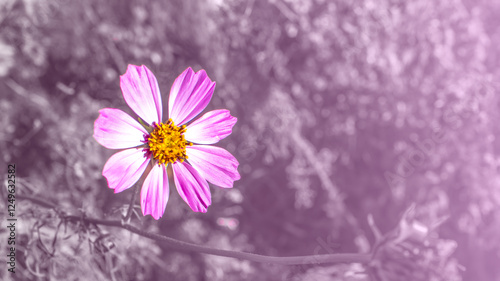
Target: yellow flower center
167	143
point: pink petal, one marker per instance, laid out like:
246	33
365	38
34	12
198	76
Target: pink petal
190	94
115	129
141	92
215	164
124	168
211	127
191	187
155	192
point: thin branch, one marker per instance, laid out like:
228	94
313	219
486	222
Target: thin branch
41	202
131	205
190	247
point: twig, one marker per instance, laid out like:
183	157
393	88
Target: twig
43	203
190	247
131	205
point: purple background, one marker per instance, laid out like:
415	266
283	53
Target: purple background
345	108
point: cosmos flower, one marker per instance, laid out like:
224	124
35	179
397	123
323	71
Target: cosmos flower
152	144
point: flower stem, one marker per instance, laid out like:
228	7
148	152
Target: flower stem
131	205
190	247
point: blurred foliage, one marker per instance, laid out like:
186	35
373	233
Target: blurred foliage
345	108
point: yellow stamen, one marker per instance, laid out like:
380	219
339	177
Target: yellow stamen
167	143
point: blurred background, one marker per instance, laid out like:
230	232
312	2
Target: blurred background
345	109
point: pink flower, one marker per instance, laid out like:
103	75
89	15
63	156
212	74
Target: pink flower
157	144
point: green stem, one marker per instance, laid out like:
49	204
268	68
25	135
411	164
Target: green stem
148	128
